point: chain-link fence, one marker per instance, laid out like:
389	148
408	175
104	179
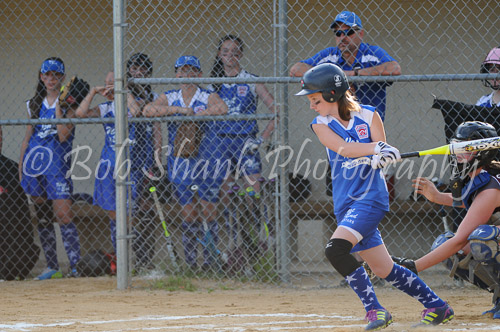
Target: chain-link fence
265	214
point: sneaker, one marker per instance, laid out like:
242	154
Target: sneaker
49	273
377	319
73	273
495	311
435	316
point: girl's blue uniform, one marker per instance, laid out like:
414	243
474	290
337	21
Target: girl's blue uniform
47	161
104	188
229	136
359	192
185	172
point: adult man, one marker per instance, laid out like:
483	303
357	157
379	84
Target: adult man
356	59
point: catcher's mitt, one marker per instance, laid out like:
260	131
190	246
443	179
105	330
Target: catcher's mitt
73	93
187	139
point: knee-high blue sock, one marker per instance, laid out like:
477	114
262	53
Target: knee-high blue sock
189	235
408	282
362	286
213	228
112	228
71	242
47	235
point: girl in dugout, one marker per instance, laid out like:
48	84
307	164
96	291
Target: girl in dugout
44	171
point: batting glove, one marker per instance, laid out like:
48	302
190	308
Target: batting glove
385	154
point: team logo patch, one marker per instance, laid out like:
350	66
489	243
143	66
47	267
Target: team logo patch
362	131
242	91
198	109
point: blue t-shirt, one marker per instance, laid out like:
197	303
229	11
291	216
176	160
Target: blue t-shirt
353	179
370	93
486	101
45	154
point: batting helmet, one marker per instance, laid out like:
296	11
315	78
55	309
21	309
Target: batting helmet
472	130
492	59
326	78
140	60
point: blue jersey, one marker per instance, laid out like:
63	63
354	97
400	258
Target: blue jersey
45	154
108	154
181	169
370	93
353	179
240	99
487	101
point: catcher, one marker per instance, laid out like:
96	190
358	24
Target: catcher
472	254
186	140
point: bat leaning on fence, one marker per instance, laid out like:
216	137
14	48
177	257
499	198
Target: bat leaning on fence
485	144
170	247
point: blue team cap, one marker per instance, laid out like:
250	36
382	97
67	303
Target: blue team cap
348	18
190	60
52	65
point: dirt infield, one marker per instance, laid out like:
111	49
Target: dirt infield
94	304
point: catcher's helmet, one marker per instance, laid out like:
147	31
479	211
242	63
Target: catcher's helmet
326	78
140	60
492	59
467	131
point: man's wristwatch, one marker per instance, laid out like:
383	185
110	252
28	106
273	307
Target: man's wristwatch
356	71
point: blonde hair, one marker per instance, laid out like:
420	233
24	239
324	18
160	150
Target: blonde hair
347	104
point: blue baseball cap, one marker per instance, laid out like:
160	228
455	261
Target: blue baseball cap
188	60
348	18
52	65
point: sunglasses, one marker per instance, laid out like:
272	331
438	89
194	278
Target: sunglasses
348	32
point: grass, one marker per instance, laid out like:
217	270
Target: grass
174	283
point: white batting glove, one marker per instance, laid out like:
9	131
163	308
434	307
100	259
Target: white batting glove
387	151
385	154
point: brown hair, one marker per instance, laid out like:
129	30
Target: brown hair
218	67
348	103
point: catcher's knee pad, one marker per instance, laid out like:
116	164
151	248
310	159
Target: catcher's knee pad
338	252
44	213
484	244
439	241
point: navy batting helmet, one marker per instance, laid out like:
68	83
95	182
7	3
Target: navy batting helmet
326	78
468	131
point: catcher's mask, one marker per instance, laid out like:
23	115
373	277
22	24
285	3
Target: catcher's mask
326	78
140	60
491	64
463	164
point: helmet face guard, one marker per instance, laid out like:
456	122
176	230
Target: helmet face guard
463	164
491	64
326	78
